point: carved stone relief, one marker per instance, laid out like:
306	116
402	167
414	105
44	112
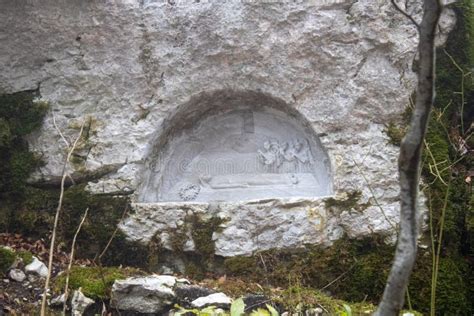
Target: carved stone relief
240	154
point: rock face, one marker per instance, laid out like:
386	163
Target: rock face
141	73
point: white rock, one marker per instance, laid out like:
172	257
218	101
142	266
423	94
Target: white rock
37	267
143	294
17	275
79	303
216	299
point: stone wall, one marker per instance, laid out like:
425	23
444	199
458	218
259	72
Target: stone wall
127	68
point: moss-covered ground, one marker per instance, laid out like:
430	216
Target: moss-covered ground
95	282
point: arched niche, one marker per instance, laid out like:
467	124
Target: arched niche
233	146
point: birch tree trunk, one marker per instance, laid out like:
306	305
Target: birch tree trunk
409	164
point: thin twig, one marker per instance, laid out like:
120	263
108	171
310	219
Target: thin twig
56	220
59	131
114	233
399	9
71	260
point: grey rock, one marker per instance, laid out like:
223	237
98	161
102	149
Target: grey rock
37	267
79	303
344	67
215	299
17	275
150	294
185	293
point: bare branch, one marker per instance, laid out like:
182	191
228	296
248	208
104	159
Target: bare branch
71	260
113	234
406	14
59	131
56	220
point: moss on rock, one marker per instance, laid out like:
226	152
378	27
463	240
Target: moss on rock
347	203
96	282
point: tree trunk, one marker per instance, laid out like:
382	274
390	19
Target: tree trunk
409	164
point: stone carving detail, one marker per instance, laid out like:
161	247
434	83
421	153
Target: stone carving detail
189	192
274	154
239	155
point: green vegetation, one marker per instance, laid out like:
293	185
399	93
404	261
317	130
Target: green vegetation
96	282
25	256
7	258
19	116
359	266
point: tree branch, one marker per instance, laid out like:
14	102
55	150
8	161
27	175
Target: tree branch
406	14
409	164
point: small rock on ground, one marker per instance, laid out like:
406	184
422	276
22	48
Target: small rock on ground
216	299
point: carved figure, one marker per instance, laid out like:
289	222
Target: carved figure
268	155
302	152
275	154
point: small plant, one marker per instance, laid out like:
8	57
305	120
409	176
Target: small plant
7	257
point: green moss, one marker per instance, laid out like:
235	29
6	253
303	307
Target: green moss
395	133
201	232
96	282
178	239
297	299
347	203
452	292
19	116
239	265
25	256
154	250
5	133
195	271
362	263
7	258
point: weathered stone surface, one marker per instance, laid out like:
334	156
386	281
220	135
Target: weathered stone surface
79	303
149	294
216	299
37	267
252	226
344	66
